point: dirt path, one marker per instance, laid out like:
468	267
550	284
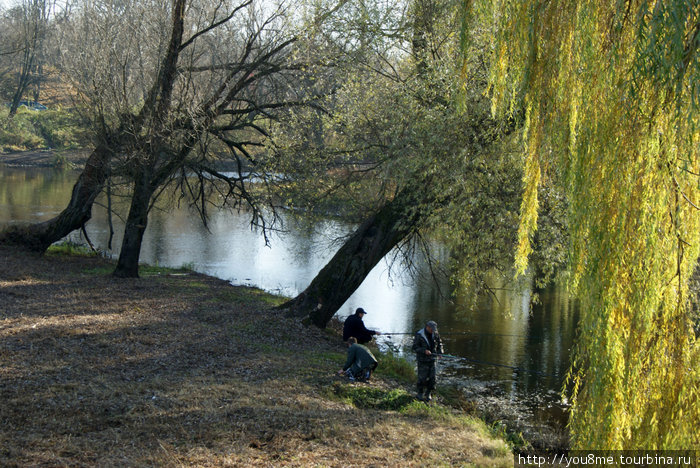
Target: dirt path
183	369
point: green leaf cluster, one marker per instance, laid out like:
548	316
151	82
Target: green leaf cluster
397	120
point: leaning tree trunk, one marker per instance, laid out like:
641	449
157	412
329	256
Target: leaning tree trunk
38	237
344	273
136	222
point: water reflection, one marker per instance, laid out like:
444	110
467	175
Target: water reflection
28	195
502	330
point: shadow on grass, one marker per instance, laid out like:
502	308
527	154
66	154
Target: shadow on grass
183	371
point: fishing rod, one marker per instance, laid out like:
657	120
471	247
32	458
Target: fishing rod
487	363
459	334
477	361
484	363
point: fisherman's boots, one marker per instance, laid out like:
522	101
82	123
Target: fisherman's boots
419	395
427	398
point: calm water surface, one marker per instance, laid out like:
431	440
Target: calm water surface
487	343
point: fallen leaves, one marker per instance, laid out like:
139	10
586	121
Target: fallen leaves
99	371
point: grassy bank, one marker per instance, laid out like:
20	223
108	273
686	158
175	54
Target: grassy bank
178	368
32	130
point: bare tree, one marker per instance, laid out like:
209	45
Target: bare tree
173	90
28	25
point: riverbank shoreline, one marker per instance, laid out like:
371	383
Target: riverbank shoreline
45	158
179	368
72	159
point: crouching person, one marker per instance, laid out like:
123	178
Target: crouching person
360	362
428	346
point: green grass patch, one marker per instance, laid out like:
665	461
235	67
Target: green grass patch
71	249
394	367
144	271
434	411
446	415
371	397
324	358
100	270
514	439
30	130
248	295
267	348
331	356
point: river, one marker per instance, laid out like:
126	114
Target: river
509	357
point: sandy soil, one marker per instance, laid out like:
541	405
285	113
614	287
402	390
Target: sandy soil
181	369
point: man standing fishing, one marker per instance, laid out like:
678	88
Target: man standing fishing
427	346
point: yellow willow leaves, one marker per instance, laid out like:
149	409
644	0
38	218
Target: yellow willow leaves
609	90
528	207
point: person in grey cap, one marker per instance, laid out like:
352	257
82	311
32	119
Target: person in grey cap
428	346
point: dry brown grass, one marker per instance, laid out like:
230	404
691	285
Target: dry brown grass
185	370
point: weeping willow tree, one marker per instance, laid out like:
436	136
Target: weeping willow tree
609	91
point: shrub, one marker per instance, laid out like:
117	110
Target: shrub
395	367
70	249
375	398
30	130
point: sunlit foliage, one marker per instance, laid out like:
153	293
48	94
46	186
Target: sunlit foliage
609	93
398	119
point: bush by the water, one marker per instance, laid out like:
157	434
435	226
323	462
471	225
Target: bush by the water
395	367
372	397
31	130
71	249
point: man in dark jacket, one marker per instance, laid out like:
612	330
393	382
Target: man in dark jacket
360	362
427	346
354	326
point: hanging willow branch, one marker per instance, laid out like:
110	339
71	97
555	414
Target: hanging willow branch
611	92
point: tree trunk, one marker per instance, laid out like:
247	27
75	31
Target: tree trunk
14	105
136	222
38	237
17	96
156	109
348	268
24	78
37	82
